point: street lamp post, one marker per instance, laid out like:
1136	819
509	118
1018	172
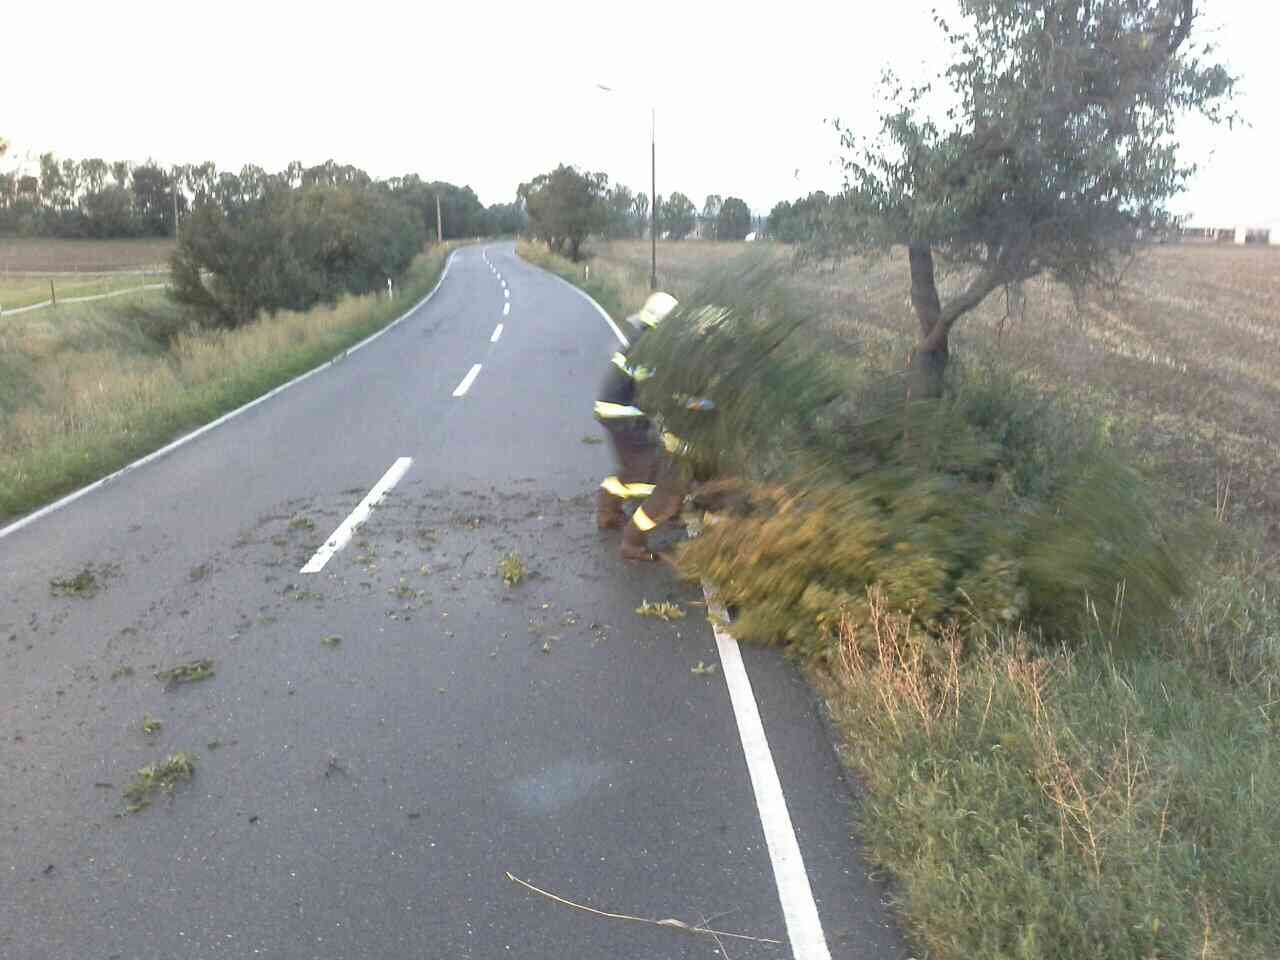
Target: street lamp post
653	192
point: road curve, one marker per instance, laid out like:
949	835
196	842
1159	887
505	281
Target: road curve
366	797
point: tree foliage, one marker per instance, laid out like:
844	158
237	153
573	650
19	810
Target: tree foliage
97	198
734	219
678	216
799	221
565	206
291	247
1052	148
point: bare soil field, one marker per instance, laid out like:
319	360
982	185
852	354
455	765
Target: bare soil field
1182	360
46	255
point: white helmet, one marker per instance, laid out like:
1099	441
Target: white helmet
654	310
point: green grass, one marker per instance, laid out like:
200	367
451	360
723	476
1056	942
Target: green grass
619	290
20	290
1038	801
86	388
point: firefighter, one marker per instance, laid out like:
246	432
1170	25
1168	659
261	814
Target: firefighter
643	469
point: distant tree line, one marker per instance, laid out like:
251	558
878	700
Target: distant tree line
567	205
100	199
800	221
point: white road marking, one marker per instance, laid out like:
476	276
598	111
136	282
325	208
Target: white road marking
506	293
201	431
804	929
506	309
497	332
342	536
467	381
795	895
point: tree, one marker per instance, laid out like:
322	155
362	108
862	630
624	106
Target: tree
564	206
734	222
641	213
710	214
621	204
678	216
1057	149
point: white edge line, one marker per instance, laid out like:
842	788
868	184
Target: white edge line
604	314
506	309
200	431
342	536
804	928
795	895
467	381
497	332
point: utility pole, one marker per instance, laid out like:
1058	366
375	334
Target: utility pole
653	203
439	222
175	204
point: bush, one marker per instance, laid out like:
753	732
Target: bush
987	508
291	249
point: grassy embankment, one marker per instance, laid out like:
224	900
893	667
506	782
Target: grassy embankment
1035	801
85	388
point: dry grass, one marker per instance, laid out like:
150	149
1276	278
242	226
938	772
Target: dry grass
44	254
87	387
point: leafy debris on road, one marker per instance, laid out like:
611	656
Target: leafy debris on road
124	670
191	672
198	572
591	440
666	610
84	584
703	669
150	724
332	640
300	521
158	776
512	569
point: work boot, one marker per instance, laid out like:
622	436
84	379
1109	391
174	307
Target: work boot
609	513
635	545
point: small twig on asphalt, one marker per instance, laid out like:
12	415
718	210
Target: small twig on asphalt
702	922
668	922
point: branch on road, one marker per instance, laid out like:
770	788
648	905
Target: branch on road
668	922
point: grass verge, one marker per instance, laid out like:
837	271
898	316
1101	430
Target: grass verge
90	387
1035	801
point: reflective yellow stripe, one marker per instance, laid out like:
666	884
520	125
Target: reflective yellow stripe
673	443
635	373
616	411
641	520
627	491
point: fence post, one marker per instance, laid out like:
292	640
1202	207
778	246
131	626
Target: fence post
52	295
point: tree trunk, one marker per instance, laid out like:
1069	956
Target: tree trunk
930	358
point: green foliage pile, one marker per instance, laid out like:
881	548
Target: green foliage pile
985	507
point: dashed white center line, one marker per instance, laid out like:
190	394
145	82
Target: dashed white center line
467	381
506	309
497	332
359	515
506	293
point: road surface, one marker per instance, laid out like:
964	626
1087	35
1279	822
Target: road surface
366	797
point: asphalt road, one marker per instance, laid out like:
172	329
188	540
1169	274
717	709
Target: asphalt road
367	798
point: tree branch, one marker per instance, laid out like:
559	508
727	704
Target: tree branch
977	291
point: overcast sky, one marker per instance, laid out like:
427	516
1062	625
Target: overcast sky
488	94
